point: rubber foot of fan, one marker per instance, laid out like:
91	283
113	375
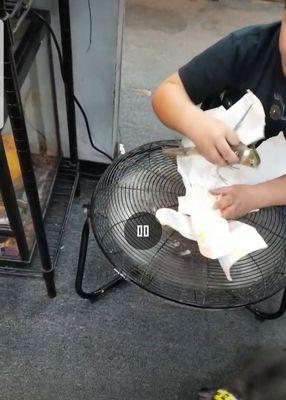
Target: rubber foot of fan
262	317
94	296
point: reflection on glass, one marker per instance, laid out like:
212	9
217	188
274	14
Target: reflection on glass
38	103
39	108
9	248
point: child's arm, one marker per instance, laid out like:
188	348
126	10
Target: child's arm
236	201
271	193
174	108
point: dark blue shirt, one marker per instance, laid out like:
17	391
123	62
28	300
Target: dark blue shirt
246	59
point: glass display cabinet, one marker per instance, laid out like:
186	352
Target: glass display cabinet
33	174
37	93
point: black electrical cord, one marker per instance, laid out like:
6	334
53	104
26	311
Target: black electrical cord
77	102
90	26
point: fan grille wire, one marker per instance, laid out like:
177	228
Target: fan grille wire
145	180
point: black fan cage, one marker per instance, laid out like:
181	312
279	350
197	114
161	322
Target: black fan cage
145	180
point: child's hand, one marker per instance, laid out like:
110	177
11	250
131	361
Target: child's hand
213	140
235	201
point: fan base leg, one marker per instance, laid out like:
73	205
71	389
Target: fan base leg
261	316
92	296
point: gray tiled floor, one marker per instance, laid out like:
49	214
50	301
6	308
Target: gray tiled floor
129	345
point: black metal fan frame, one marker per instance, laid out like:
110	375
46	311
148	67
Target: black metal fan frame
228	99
118	279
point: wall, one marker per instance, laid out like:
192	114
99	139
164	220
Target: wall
96	72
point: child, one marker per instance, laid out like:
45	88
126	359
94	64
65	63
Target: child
252	58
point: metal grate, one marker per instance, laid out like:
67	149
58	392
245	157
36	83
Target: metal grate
13	6
55	220
18	9
146	180
59	207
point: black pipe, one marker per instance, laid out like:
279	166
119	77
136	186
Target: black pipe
64	11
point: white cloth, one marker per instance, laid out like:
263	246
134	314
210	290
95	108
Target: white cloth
196	219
